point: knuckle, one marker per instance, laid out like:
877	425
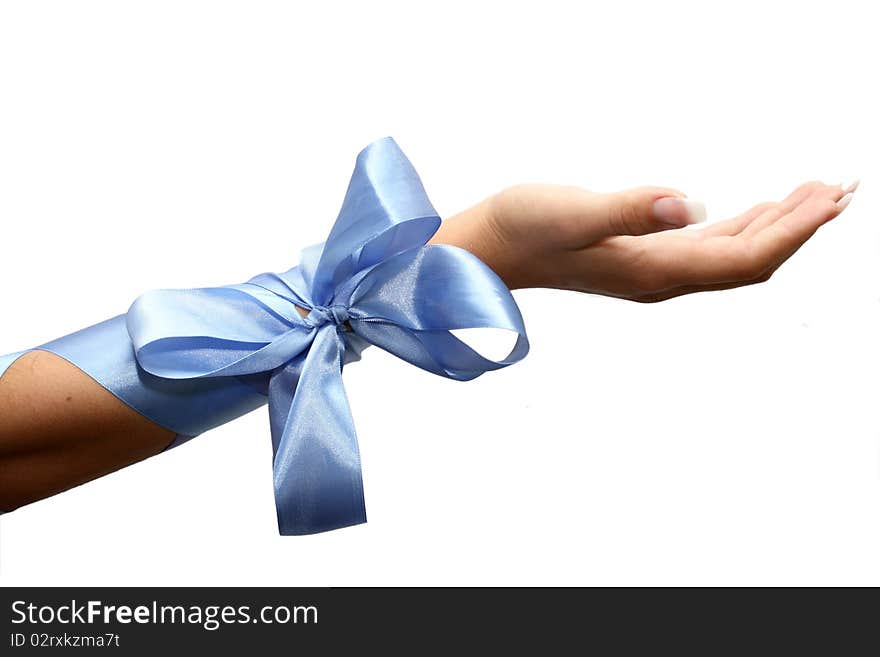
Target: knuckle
625	219
829	206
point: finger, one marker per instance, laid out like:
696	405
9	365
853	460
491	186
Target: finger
762	277
735	225
738	224
853	186
763	220
737	258
832	192
780	240
645	210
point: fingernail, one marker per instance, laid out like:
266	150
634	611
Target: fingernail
842	203
853	186
677	211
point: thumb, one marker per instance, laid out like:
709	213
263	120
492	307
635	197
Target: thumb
646	210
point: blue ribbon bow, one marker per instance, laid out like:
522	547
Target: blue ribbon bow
374	281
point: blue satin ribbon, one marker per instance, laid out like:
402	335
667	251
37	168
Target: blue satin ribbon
192	359
374	281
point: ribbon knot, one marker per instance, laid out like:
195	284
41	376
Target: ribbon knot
336	314
374	279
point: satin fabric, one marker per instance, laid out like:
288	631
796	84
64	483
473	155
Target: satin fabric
374	281
186	407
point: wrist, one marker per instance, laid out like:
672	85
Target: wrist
479	231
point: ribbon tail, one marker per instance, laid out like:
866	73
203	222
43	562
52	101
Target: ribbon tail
317	466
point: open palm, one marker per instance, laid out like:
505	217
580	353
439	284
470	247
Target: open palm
617	245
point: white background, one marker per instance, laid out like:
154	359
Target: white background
726	438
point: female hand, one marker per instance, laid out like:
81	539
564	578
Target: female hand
627	244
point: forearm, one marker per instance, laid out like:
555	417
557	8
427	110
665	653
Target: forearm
79	407
60	428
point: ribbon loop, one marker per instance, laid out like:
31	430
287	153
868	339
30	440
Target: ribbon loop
385	211
372	282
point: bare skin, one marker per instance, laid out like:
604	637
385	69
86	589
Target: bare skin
59	428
